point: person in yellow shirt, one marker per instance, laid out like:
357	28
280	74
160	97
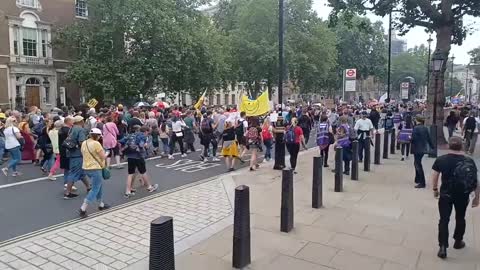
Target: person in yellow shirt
93	162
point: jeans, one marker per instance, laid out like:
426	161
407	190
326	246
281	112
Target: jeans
209	139
48	164
362	145
450	131
347	157
405	146
175	139
268	149
166	148
445	204
470	141
419	174
293	149
2	148
15	157
97	186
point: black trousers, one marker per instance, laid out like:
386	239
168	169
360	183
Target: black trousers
324	155
445	205
362	145
210	139
419	174
293	149
306	134
405	146
175	139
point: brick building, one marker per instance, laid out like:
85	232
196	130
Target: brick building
31	71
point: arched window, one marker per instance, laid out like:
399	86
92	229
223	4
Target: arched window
81	8
32	81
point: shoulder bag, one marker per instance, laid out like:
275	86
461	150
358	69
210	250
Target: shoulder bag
106	174
21	141
69	142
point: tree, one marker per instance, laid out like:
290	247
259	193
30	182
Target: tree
412	63
475	60
444	17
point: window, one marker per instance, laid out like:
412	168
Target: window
29	42
28	3
44	43
226	99
16	36
219	99
233	99
81	9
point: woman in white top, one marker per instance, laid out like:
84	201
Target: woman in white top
177	136
53	135
12	145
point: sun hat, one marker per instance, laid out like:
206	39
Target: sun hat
77	119
96	131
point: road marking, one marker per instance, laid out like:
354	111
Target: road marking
188	165
61	175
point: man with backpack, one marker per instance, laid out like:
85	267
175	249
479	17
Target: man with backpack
305	123
207	127
459	180
470	132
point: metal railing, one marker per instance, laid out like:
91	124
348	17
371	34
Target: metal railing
33	60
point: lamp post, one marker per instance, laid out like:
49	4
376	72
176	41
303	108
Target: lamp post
389	75
451	75
437	65
429	40
279	128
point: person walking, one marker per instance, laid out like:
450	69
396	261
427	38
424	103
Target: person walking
189	132
110	143
53	135
293	139
343	139
363	127
207	127
374	117
324	138
254	141
28	152
267	138
177	136
13	144
240	130
333	119
470	132
420	140
451	123
93	161
230	146
164	130
459	180
404	136
305	122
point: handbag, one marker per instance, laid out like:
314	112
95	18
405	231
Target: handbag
106	174
21	141
69	142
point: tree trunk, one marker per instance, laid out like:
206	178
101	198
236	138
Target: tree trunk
437	82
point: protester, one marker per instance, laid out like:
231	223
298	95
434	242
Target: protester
240	130
293	139
176	136
420	141
470	132
110	143
254	141
363	127
324	138
230	146
164	130
28	152
207	127
404	137
54	139
13	144
305	122
459	180
451	123
343	140
267	138
374	117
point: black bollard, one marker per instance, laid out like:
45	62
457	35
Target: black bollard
392	142
354	175
286	211
317	182
366	159
241	256
162	250
377	149
338	169
385	144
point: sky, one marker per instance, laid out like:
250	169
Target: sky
417	35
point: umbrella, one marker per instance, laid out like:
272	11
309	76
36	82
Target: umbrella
161	104
141	104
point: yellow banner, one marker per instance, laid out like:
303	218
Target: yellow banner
200	101
257	107
92	103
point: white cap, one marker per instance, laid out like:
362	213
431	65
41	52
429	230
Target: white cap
96	131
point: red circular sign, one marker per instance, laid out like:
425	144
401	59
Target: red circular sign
350	73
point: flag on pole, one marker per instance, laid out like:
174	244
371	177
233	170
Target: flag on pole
257	107
200	101
383	98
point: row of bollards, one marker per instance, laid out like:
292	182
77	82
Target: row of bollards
162	255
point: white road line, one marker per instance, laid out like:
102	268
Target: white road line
60	175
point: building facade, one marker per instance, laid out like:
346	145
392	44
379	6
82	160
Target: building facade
32	72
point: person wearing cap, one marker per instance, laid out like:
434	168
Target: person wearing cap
94	158
363	128
75	171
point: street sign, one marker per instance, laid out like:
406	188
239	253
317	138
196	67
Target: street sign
404	88
351	74
350	85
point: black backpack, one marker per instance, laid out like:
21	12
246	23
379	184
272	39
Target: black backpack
470	124
239	131
464	179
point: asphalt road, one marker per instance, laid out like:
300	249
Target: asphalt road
31	202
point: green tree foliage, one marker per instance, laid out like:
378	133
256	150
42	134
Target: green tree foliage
444	17
131	47
412	63
475	60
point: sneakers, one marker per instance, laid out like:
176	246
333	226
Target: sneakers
152	188
15	174
403	159
73	187
231	169
82	214
104	207
69	196
52	178
171	157
184	155
5	171
129	195
215	159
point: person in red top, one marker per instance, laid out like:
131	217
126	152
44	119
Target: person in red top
293	138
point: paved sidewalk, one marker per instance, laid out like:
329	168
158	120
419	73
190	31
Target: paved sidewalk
120	238
379	223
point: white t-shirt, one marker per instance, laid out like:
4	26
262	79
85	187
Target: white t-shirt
363	124
10	138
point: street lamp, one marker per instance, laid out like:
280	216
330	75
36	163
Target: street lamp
389	75
279	128
429	40
437	65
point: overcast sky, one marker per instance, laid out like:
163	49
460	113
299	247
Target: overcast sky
417	35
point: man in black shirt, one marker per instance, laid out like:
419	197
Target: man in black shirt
459	179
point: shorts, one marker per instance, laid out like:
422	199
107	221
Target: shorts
134	164
114	151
